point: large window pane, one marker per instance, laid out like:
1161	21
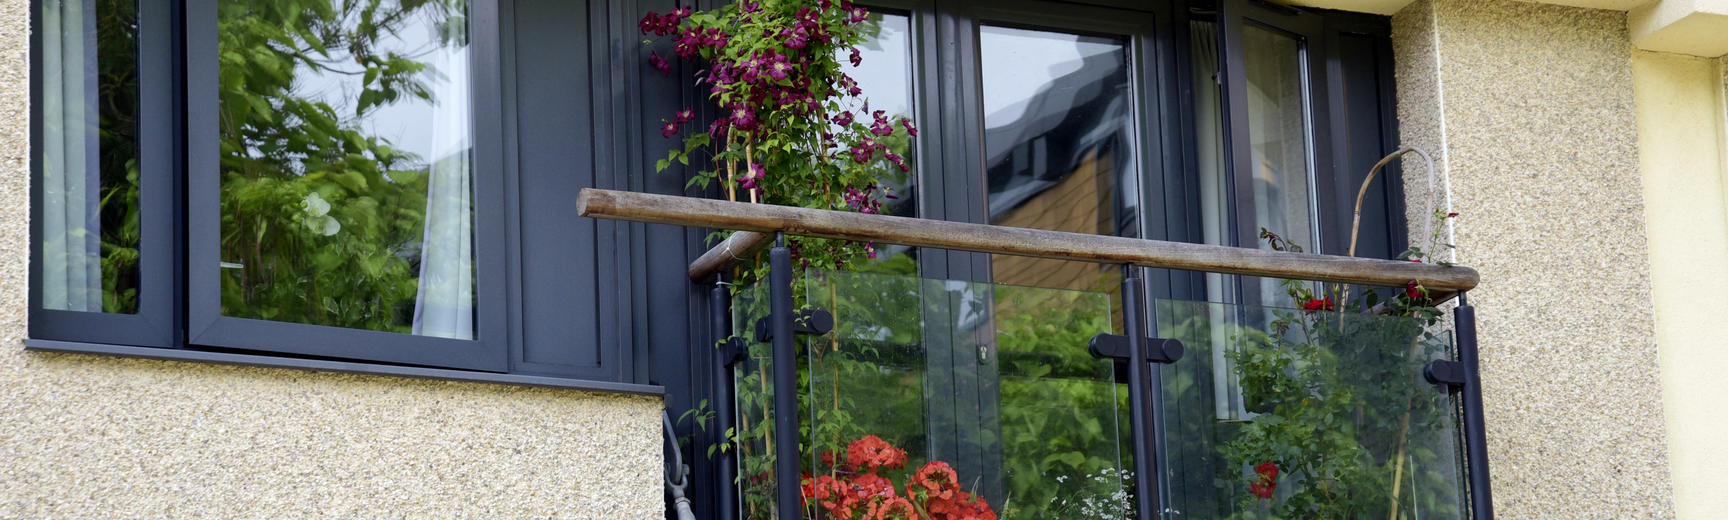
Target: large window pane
1059	147
89	156
347	185
884	77
1278	135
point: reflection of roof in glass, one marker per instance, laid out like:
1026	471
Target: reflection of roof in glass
1068	116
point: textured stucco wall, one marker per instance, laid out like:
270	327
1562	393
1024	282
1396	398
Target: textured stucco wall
1529	110
1681	142
98	437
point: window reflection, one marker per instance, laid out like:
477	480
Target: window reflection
346	175
89	161
885	78
1059	151
1278	135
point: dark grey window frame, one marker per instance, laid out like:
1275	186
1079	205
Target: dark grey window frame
205	323
156	322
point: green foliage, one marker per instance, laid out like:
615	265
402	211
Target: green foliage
118	207
1332	403
792	127
901	348
322	216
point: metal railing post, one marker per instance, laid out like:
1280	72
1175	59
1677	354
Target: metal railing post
1143	407
1475	434
725	460
785	368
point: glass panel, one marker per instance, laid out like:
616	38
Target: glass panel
884	76
1335	420
347	187
1210	148
1059	146
89	155
1278	137
753	390
991	381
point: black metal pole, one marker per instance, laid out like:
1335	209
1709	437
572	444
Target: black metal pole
1141	414
785	368
725	461
1475	435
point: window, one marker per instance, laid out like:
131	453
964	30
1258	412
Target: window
101	268
394	184
337	193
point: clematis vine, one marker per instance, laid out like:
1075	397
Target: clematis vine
786	129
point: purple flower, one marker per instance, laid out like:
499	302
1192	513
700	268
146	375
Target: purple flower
649	23
685	115
689	45
897	160
856	58
870	249
843	119
743	117
753	178
669	129
660	64
881	126
910	130
859	14
778	67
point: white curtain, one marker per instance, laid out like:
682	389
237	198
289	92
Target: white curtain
71	245
444	306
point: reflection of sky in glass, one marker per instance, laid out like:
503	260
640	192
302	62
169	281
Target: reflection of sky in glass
885	74
885	77
1006	51
408	123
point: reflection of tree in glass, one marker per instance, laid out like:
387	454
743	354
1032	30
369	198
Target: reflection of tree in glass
117	104
323	217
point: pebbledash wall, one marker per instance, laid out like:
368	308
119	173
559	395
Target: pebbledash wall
99	437
1589	173
1590	176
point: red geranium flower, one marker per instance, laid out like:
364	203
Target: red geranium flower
872	452
937	478
894	509
1268	480
870	486
1319	304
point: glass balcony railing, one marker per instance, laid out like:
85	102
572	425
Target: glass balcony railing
1285	413
976	397
1272	413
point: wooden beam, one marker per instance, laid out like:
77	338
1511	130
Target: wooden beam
738	246
764	218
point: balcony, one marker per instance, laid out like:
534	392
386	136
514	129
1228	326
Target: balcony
1002	401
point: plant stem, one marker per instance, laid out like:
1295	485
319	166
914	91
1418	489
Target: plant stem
1404	430
750	163
731	171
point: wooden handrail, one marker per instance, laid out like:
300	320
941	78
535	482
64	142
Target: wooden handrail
734	248
766	219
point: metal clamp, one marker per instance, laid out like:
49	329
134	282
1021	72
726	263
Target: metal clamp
1445	372
807	321
1115	346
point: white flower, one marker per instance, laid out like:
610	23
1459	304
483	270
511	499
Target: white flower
315	205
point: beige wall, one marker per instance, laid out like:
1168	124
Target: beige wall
99	437
1680	141
1529	110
